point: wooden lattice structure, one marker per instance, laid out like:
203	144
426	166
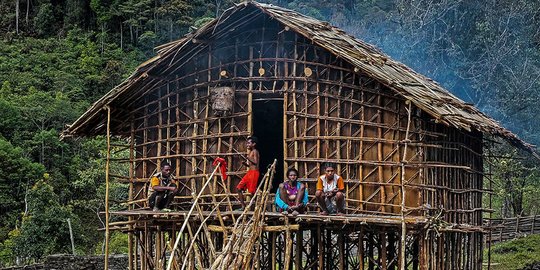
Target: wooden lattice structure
410	151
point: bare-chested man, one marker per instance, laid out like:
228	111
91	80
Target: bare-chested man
250	180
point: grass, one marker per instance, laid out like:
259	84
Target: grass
515	254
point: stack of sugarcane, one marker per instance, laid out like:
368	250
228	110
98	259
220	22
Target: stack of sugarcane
242	245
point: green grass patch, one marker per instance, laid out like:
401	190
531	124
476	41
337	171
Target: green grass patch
515	254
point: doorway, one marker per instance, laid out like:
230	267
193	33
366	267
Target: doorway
268	128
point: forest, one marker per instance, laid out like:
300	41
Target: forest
59	56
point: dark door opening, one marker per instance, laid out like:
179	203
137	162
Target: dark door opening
268	128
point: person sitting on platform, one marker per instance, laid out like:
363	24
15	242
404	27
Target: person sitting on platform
250	180
329	192
162	189
292	196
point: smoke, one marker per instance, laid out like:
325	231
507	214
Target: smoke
484	52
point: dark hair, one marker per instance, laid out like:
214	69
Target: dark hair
292	170
328	164
165	164
253	139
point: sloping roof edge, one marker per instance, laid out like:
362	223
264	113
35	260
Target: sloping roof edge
423	92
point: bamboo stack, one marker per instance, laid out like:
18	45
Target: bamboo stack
242	244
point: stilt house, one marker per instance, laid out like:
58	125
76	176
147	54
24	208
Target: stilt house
410	152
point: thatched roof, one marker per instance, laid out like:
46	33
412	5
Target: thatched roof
422	91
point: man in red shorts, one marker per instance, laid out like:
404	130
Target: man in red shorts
250	180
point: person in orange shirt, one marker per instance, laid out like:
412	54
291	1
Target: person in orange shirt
330	191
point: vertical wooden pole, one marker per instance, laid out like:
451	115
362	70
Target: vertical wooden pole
361	167
341	248
288	245
370	247
391	250
416	254
532	225
131	249
402	253
194	133
349	146
295	109
299	240
285	118
106	264
157	256
361	248
490	216
328	248
318	102
327	131
321	246
145	143
380	155
314	251
172	240
304	130
250	93
384	252
144	247
71	236
338	130
422	249
207	111
159	128
170	107
273	250
178	131
136	252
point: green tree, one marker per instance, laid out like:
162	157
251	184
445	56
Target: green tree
44	20
137	14
11	116
175	14
17	175
44	228
516	182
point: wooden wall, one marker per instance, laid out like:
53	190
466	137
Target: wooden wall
332	112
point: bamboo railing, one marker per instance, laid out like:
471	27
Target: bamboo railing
510	228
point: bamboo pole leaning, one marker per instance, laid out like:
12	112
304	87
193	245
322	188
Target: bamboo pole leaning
230	257
259	215
186	218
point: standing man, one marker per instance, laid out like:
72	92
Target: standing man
329	192
250	180
162	189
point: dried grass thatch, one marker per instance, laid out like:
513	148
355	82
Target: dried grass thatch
425	93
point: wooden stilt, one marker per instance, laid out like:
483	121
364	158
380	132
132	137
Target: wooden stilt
322	250
107	171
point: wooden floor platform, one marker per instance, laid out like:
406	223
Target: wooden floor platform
271	218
